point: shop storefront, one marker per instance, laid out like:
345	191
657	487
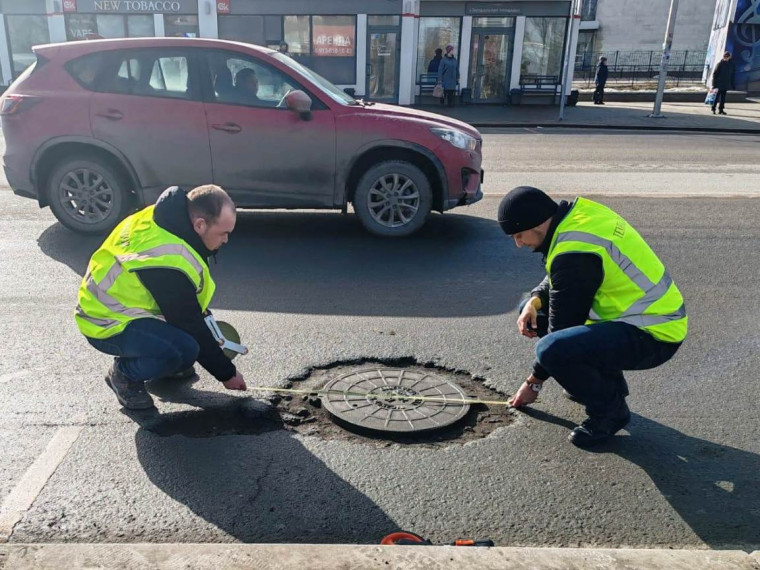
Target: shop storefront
380	50
496	44
86	19
330	37
25	24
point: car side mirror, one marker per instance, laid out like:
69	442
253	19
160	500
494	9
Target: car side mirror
300	103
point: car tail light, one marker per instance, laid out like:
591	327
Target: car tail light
15	104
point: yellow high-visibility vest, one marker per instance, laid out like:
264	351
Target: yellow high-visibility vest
111	294
636	288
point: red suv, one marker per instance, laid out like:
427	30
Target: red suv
96	129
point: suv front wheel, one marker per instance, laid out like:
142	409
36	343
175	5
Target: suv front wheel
393	199
87	195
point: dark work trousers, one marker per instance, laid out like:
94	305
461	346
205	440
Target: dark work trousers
149	349
449	95
588	360
720	100
599	93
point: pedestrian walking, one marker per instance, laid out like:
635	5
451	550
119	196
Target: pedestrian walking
148	287
448	76
607	305
600	80
435	63
723	80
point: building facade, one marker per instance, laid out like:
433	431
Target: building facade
380	49
607	25
736	29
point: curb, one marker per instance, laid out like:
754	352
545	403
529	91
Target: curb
345	557
497	125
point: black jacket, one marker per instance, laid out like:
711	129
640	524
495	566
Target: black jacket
434	64
575	279
602	72
723	75
175	293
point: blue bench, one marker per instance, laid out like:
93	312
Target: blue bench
532	84
427	82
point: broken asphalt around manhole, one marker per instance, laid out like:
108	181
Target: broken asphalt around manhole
307	414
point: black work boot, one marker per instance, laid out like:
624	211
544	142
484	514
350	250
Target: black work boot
597	429
131	395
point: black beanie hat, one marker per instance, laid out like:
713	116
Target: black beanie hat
524	208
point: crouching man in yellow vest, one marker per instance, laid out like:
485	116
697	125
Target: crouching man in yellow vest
607	305
147	288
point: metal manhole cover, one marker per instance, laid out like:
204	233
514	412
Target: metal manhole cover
368	398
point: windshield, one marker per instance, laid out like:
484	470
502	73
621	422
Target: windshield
336	94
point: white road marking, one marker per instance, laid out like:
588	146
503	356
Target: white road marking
31	484
628	184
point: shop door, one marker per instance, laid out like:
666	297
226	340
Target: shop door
384	48
490	66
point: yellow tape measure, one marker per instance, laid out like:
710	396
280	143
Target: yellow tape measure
440	400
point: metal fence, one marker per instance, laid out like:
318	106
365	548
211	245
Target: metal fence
631	67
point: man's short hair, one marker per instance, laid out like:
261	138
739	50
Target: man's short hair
727	54
207	202
243	75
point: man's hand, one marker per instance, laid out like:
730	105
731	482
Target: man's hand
529	318
526	394
235	383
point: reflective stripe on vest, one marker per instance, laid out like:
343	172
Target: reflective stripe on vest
111	295
636	288
653	292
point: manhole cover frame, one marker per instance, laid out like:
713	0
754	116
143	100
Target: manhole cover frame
359	408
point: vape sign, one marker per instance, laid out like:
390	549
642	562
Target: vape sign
223	6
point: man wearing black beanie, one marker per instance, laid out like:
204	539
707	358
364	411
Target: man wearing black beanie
606	305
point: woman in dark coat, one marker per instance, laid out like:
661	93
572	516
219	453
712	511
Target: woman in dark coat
723	80
448	76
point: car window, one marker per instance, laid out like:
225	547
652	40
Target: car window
85	69
243	81
150	74
170	75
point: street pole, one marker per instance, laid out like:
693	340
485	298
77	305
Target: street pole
656	114
575	17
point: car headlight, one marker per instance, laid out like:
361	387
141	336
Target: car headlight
457	138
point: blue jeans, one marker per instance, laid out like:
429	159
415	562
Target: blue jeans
588	360
148	349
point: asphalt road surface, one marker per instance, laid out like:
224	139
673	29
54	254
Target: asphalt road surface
310	289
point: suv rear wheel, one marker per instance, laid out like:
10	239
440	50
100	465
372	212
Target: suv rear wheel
393	199
87	195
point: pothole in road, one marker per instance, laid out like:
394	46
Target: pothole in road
373	402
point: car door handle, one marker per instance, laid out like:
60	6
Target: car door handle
111	114
227	127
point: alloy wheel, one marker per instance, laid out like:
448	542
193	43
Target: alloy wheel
393	200
86	196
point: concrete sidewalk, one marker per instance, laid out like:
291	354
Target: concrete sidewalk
345	557
741	118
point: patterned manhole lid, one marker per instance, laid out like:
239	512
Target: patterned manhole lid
394	400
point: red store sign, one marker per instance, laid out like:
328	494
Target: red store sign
334	41
69	5
222	6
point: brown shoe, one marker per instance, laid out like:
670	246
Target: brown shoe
132	395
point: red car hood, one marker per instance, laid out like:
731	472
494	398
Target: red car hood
407	113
